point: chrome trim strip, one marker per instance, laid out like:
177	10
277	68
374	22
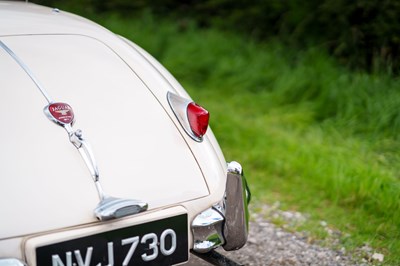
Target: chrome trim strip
27	70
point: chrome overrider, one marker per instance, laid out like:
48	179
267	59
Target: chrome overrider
226	223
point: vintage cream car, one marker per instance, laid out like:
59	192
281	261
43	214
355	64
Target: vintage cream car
105	160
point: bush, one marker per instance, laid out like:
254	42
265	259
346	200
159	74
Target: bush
363	34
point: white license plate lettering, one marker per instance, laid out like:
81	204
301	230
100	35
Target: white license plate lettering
150	243
88	257
151	246
168	233
110	252
134	242
150	240
56	260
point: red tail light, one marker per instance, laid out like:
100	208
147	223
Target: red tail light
192	117
198	119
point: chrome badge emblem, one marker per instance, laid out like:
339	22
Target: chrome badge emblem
60	113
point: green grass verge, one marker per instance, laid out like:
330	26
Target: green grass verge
314	136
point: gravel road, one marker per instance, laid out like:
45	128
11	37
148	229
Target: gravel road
269	245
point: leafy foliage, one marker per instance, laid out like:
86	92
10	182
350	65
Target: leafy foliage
317	137
363	34
308	126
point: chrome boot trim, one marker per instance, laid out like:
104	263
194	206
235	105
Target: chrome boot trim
109	207
237	197
207	230
85	150
27	70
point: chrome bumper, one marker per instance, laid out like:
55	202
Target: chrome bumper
226	223
11	262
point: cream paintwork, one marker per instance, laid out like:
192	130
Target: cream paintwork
140	153
196	161
44	21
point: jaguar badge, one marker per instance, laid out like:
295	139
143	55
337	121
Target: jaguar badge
60	113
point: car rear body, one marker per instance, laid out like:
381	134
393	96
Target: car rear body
118	94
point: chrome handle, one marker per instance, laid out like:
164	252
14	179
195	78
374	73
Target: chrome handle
89	159
85	150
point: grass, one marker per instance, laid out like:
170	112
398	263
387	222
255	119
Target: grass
311	134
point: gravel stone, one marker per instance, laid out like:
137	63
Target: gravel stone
269	245
277	247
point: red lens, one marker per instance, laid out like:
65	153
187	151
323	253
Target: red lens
198	119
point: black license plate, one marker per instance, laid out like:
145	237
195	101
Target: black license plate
161	242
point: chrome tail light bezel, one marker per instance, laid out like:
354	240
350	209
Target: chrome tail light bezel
179	106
